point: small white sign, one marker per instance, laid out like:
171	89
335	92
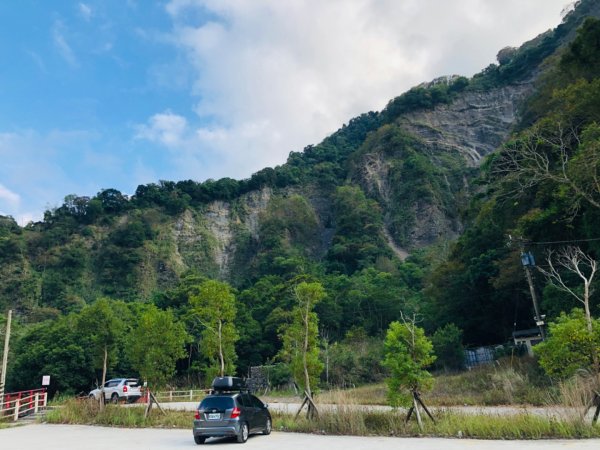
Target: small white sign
46	380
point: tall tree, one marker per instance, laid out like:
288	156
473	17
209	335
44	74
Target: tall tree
214	307
301	338
105	328
574	260
552	151
155	345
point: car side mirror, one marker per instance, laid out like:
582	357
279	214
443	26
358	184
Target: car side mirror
266	405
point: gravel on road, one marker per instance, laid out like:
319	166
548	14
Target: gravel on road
471	410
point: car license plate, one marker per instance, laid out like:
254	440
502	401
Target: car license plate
214	416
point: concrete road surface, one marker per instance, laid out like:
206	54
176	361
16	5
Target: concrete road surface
81	437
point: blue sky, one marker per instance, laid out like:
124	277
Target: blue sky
112	94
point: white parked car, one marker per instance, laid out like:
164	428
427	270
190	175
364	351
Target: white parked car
119	389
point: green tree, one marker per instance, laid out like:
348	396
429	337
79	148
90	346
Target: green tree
582	57
408	352
358	238
104	327
574	260
356	360
571	345
56	348
156	344
301	337
448	348
214	306
289	235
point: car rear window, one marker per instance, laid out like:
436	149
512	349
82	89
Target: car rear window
132	382
256	402
217	402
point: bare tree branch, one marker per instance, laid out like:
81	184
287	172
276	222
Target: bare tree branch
574	260
545	155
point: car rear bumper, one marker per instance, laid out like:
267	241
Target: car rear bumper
200	429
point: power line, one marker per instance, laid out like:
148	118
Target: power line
523	241
562	242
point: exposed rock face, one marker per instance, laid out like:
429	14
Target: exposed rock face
193	243
475	124
432	223
376	171
472	126
255	203
218	220
207	240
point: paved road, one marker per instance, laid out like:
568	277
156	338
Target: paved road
78	437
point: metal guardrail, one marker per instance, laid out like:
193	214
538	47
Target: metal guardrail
19	404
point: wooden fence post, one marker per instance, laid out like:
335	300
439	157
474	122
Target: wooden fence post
17	408
36	405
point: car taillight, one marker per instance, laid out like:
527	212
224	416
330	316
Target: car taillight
124	388
197	415
235	412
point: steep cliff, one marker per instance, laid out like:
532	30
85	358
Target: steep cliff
474	124
383	186
451	140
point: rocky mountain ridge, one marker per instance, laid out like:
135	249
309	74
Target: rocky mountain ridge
414	163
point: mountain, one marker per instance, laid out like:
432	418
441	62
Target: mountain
391	206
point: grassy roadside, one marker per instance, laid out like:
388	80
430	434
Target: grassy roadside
509	382
346	421
448	425
84	412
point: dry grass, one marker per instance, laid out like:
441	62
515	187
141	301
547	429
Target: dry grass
575	395
488	385
448	424
372	394
508	383
87	412
345	419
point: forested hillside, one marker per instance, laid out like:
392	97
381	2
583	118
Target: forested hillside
407	210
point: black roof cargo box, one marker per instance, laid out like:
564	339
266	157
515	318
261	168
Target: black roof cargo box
228	384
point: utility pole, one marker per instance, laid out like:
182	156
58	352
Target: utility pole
528	261
5	359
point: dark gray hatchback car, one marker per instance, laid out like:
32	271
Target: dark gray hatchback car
237	414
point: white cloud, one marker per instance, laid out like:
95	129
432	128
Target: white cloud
85	11
39	169
61	44
273	76
165	128
9	197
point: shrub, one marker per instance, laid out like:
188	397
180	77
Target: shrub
447	346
